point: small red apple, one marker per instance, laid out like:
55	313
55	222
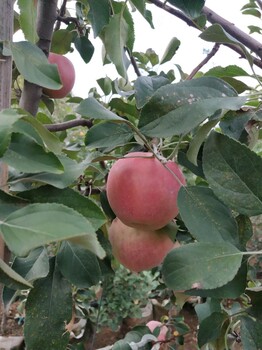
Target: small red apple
67	76
138	249
152	325
142	191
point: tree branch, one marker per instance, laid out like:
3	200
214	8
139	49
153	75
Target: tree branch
188	21
254	45
205	60
46	17
259	2
62	12
68	125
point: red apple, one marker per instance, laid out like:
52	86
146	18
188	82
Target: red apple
67	76
142	191
138	249
152	325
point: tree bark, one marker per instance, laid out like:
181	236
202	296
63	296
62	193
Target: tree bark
46	17
6	34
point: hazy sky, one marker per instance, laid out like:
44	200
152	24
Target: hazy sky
189	55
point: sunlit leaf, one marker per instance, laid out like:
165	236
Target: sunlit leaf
27	156
39	224
108	135
69	197
34	66
12	279
91	108
8	117
170	50
27	19
178	108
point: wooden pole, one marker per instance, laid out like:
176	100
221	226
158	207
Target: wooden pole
6	34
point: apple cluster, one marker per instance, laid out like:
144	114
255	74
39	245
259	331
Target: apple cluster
142	191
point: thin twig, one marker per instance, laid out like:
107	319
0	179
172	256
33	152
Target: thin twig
61	13
134	64
205	60
68	125
245	39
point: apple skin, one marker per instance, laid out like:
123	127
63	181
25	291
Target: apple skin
138	249
152	325
142	192
67	76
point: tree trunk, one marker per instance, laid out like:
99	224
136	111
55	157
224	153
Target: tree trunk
6	34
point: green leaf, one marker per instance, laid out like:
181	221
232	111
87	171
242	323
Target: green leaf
233	289
256	304
233	172
216	33
72	199
191	8
145	87
34	266
72	170
27	156
206	308
252	12
99	15
251	335
115	38
178	108
50	316
218	224
108	135
134	336
123	108
105	85
45	137
254	29
39	224
170	50
237	84
206	265
91	108
245	229
61	41
27	19
228	71
210	328
12	279
84	47
78	265
122	9
141	6
34	66
9	204
8	117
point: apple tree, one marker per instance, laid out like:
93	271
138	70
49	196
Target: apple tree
57	151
